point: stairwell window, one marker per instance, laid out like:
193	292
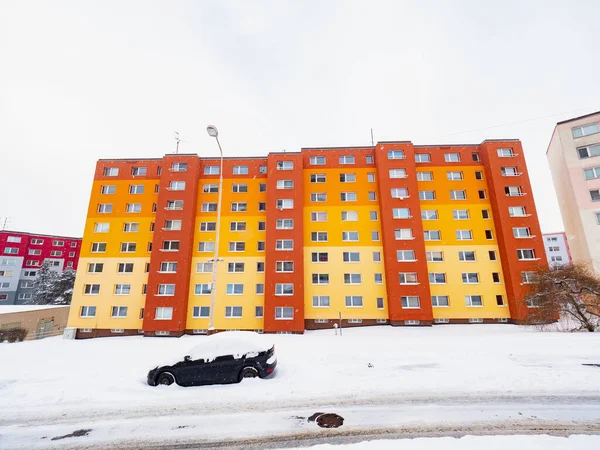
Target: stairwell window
396	154
521	232
401	213
285	165
517	211
285	184
405	255
509	171
170	246
284	224
402	234
397	173
410	302
284	244
284	313
285	203
284	289
163	313
526	254
408	278
179	167
399	193
166	289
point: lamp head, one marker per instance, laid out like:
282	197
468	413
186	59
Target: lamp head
212	131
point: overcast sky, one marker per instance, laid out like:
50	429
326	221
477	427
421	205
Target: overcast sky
82	80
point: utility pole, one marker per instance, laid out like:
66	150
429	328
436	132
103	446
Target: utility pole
372	140
177	140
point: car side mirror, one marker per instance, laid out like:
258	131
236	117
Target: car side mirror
187	358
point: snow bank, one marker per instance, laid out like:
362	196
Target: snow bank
236	343
8	309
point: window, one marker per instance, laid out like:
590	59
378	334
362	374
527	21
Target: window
426	195
262	226
521	232
499	300
458	195
422	157
585	130
405	255
134	207
206	246
170	267
285	184
351	256
489	235
122	289
318	236
284	224
262	169
378	277
108	189
396	154
495	277
354	301
516	211
435	256
397	173
202	289
25	284
320	301
170	246
369	159
284	313
211	170
131	227
401	213
318	178
111	171
466	255
260	246
91	289
321	257
179	167
554	249
138	171
525	254
595	195
128	247
285	165
473	300
432	235
408	278
373	215
437	278
349	216
4	285
454	175
439	301
372	196
104	208
485	214
513	191
470	278
27	273
37	241
505	152
452	157
240	170
411	301
173	205
370	177
166	289
260	289
352	278
235	267
348	196
589	152
262	187
460	214
201	311
237	226
402	234
347	178
317	160
209	226
101	227
475	157
464	235
320	278
284	289
429	214
492	255
528	277
239	246
239	207
87	311
482	194
126	267
172	225
478	175
509	171
592	173
284	244
598	217
285	203
136	189
399	193
424	176
350	236
556	258
235	289
318	197
348	159
98	247
260	267
285	266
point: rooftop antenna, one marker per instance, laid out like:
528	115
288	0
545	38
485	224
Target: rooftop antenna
6	220
177	140
372	140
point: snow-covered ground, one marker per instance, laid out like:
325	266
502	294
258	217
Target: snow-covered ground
96	383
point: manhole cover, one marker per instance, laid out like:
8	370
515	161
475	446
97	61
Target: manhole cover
327	420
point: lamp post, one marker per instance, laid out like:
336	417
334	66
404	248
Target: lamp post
213	132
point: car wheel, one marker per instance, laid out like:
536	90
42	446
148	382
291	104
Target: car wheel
248	372
166	379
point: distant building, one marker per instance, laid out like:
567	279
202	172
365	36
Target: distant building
557	249
40	321
574	159
396	234
22	255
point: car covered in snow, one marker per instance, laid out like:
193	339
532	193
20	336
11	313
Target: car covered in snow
221	358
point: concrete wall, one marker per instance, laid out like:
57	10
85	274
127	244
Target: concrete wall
33	317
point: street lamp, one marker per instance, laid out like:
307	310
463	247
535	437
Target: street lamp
213	132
